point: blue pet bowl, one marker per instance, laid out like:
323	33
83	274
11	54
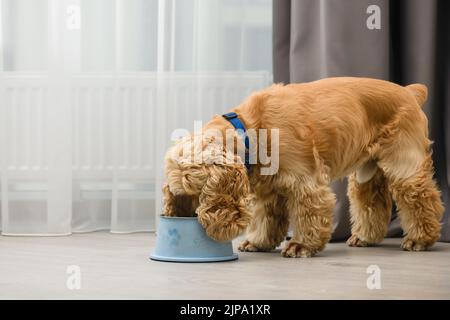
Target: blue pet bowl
183	239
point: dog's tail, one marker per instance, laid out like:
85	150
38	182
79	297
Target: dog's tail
419	91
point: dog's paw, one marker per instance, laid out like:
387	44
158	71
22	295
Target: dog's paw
355	241
412	245
296	250
246	246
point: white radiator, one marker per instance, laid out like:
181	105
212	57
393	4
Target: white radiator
83	153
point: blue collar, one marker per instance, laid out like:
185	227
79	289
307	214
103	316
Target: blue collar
233	118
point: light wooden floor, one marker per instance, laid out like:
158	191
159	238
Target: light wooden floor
117	267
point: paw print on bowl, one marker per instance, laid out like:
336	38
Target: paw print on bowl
198	241
174	237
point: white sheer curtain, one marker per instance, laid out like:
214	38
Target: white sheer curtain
91	90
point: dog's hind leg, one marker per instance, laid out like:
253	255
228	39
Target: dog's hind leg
310	208
370	206
269	225
420	206
405	159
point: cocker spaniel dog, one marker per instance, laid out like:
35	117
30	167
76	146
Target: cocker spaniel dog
372	131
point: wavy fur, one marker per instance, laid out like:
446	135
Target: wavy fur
373	130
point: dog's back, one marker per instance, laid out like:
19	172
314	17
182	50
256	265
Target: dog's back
343	118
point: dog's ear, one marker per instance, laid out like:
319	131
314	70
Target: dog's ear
169	208
224	200
179	196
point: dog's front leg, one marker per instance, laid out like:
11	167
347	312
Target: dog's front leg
310	213
269	225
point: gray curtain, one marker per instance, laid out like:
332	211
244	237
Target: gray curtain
314	39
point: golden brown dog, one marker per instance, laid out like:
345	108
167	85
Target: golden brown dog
371	130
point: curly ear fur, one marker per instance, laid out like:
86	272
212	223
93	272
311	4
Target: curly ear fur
184	175
199	176
224	199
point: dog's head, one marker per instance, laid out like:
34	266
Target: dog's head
206	180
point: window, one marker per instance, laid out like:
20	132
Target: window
91	90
